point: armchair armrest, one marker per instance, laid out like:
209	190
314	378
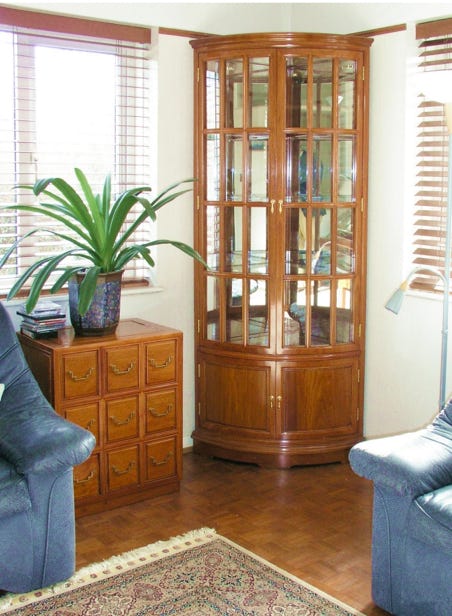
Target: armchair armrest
33	437
410	464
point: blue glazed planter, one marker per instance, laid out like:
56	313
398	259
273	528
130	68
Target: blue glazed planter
102	317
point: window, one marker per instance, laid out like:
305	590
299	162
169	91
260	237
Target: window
75	93
435	53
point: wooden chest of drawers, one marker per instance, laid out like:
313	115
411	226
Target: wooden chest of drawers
127	389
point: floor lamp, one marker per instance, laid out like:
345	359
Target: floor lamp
437	86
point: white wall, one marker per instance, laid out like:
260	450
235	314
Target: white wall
402	359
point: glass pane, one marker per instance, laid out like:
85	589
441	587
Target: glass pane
213	237
233	239
321	241
258	240
347	91
234	168
320	312
345	258
296	92
296	168
213	308
295	315
258	313
234	93
234	317
258	168
213	94
296	240
213	167
321	174
344	312
346	171
258	77
322	93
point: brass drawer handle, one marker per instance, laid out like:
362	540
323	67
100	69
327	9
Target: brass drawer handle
124	422
119	372
85	377
165	364
165	413
165	460
90	423
86	480
117	471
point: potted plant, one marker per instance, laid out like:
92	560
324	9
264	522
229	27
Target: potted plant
95	230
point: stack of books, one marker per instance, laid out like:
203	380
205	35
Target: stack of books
44	321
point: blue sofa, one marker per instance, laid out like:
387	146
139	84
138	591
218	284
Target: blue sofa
412	517
38	450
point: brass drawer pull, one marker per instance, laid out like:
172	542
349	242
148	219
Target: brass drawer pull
165	413
119	422
86	480
85	377
119	372
165	460
165	364
117	471
90	423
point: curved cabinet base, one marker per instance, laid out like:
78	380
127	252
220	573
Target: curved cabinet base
272	454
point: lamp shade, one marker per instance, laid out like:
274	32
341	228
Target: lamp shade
436	85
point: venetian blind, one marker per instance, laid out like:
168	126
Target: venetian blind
435	53
75	93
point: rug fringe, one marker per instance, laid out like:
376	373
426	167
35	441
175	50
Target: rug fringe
112	566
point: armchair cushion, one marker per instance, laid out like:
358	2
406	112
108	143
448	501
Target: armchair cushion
430	520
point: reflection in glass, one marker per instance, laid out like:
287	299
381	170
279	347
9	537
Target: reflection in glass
213	308
295	240
213	236
344	312
321	241
258	312
345	257
234	93
296	169
295	315
234	315
321	168
346	170
258	168
347	92
213	94
320	312
258	240
213	167
322	94
234	170
296	92
258	79
233	239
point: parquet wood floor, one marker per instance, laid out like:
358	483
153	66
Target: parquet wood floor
313	521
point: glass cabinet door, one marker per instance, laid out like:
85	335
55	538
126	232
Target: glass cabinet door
320	200
237	151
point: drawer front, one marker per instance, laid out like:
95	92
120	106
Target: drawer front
87	478
161	459
122	368
86	416
161	410
123	468
122	418
80	375
160	362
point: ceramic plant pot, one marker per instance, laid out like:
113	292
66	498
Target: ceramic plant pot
102	317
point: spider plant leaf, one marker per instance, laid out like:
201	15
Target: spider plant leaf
87	289
68	272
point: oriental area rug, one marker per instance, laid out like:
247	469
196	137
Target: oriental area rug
198	574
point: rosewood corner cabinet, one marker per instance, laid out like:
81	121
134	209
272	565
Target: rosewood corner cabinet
127	389
281	138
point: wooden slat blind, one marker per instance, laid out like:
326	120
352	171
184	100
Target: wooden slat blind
77	95
435	53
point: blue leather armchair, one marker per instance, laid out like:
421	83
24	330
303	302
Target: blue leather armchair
38	450
412	517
